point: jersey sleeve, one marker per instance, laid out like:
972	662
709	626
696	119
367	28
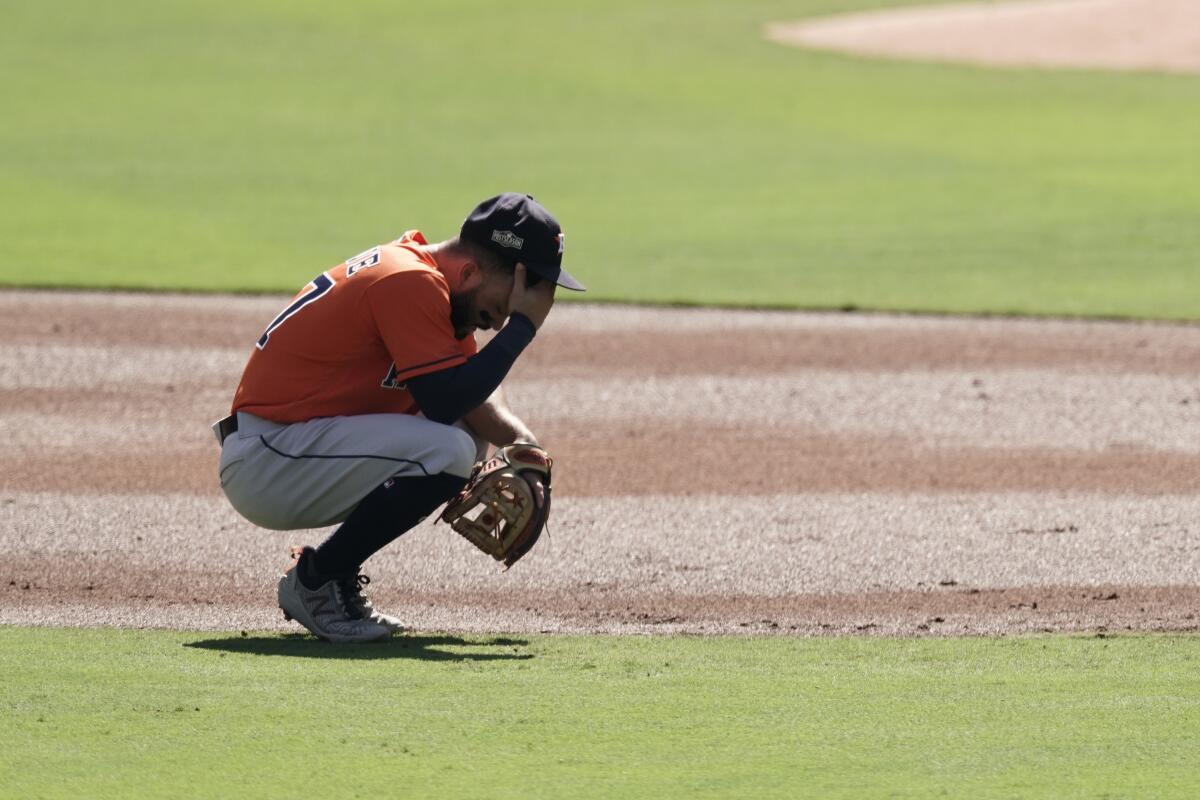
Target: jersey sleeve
468	346
411	309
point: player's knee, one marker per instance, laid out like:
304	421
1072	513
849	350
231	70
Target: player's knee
460	450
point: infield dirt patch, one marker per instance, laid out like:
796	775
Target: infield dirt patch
1155	35
717	471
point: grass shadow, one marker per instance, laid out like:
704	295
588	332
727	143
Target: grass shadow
418	647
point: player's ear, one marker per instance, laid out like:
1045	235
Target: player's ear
469	269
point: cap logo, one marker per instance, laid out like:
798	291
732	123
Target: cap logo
561	239
507	239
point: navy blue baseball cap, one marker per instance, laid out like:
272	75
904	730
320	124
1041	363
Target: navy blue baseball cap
519	228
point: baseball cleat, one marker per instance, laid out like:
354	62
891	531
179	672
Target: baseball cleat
367	611
331	611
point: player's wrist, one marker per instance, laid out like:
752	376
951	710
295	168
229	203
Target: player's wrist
521	318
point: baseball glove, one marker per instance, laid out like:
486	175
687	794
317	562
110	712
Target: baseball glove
497	511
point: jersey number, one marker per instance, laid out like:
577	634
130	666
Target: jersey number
363	260
320	285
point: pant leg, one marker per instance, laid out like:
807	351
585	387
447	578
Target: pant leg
313	474
482	446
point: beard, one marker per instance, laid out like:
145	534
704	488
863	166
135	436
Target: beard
461	313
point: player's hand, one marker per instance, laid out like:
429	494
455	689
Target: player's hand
539	490
532	301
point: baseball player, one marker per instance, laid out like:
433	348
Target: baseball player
366	403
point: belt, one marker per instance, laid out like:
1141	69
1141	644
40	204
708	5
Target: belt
224	428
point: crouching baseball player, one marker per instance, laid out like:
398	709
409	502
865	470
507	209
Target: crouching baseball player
366	404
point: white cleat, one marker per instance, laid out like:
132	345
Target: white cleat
369	611
331	611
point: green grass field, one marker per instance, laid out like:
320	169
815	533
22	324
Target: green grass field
199	146
152	714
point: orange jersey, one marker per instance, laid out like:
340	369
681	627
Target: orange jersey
352	337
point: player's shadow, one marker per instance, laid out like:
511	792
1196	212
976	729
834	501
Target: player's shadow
415	646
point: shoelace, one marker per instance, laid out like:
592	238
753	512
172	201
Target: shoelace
350	587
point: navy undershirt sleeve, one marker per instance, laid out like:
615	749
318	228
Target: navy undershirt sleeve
446	395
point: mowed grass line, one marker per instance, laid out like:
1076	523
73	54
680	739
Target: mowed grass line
249	147
110	713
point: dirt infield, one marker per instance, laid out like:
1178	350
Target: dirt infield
718	471
1140	35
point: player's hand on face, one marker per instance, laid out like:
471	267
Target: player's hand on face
532	301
